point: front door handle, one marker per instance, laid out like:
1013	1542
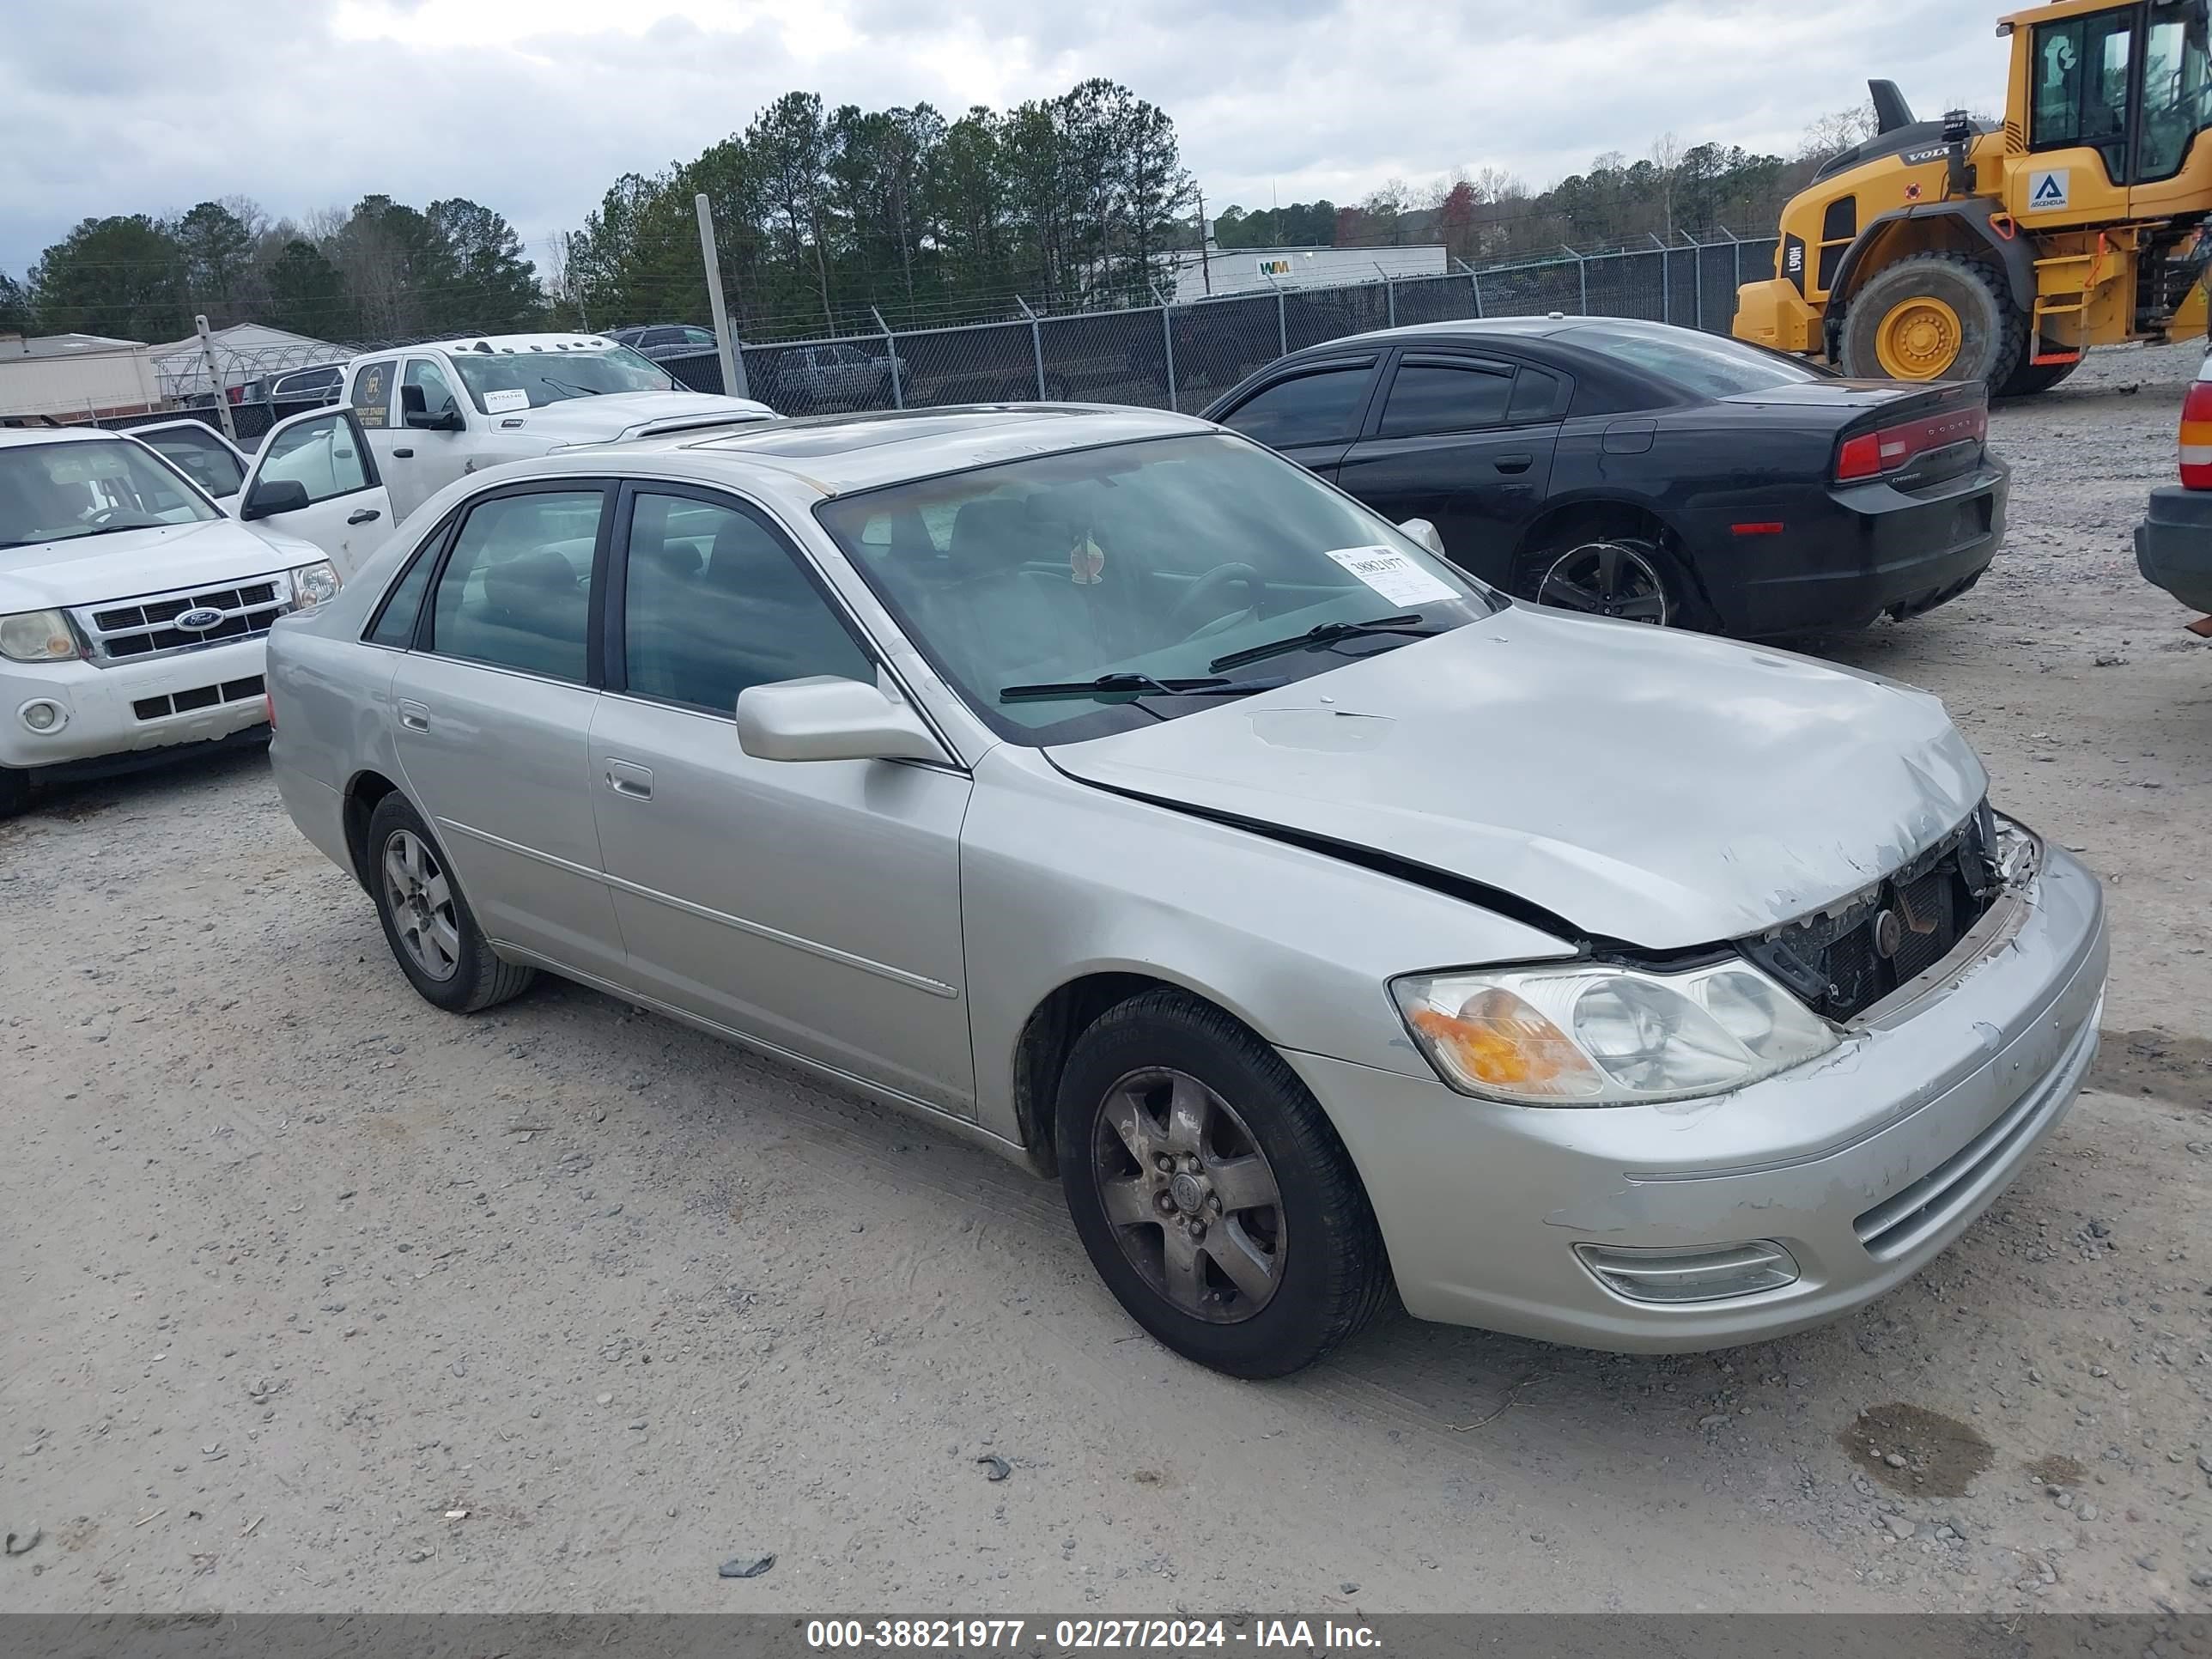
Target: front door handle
632	781
403	454
414	716
1514	462
363	515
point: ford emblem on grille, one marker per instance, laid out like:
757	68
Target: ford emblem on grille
199	619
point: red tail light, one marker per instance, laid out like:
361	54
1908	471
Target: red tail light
269	706
1873	454
2197	437
236	394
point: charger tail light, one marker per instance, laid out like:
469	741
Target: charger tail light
2197	437
1876	454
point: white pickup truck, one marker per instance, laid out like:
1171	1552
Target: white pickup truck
434	412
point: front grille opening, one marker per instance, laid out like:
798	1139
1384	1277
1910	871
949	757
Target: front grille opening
151	612
201	696
1844	961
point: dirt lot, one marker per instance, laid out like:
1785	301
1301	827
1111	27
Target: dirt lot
318	1299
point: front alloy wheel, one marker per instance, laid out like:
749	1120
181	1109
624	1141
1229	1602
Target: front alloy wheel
1191	1198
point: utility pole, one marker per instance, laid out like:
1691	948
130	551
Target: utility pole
733	360
214	379
1205	241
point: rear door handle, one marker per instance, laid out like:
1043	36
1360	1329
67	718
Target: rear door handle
363	515
414	716
1514	462
403	454
632	781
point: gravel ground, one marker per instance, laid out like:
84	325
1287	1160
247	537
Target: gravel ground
320	1299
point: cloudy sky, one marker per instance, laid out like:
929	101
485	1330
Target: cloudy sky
533	106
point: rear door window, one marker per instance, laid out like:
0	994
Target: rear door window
1427	396
516	590
1316	408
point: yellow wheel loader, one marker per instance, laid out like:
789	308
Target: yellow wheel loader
1958	250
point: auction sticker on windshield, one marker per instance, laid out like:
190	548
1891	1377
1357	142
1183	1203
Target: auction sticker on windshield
498	403
1392	574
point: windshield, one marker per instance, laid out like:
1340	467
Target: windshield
58	492
1704	364
1158	560
500	382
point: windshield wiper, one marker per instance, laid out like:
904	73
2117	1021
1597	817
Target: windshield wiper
1123	685
570	385
1325	633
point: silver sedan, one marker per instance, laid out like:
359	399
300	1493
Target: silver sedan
1117	794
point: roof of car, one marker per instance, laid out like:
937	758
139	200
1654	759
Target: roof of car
840	454
486	343
15	437
1469	327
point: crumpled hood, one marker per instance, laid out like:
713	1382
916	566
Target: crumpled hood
623	414
86	570
1649	785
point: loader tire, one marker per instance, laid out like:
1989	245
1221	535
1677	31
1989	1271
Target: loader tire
2030	378
1934	317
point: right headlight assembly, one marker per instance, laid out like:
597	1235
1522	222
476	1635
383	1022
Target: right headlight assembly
1591	1034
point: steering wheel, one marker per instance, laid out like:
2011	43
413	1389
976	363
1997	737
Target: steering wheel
1206	600
106	516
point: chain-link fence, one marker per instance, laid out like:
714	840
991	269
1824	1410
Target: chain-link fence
1182	357
1165	356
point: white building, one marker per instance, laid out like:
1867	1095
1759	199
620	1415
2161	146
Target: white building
74	377
1249	269
243	352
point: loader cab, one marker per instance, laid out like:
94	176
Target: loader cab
2113	99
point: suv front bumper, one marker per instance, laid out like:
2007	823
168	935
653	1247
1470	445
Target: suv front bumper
128	708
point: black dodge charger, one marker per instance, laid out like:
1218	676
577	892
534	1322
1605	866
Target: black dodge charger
1632	469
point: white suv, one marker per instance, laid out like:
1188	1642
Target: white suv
132	609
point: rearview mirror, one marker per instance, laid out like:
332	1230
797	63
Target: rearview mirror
827	719
273	496
1425	534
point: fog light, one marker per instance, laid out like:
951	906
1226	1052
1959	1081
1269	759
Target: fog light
1712	1272
43	716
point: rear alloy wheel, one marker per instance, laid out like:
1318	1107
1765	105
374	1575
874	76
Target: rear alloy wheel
1211	1191
433	935
1622	577
1932	317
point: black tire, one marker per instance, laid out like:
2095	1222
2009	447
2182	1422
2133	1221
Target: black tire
1330	1271
15	791
478	979
2030	378
1993	334
1537	570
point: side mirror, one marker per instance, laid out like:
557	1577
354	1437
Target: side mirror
827	719
414	412
273	496
1425	534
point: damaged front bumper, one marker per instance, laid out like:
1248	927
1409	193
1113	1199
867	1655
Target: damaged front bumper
1819	1188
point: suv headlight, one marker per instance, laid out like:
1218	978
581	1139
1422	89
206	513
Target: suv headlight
316	583
1588	1034
37	637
